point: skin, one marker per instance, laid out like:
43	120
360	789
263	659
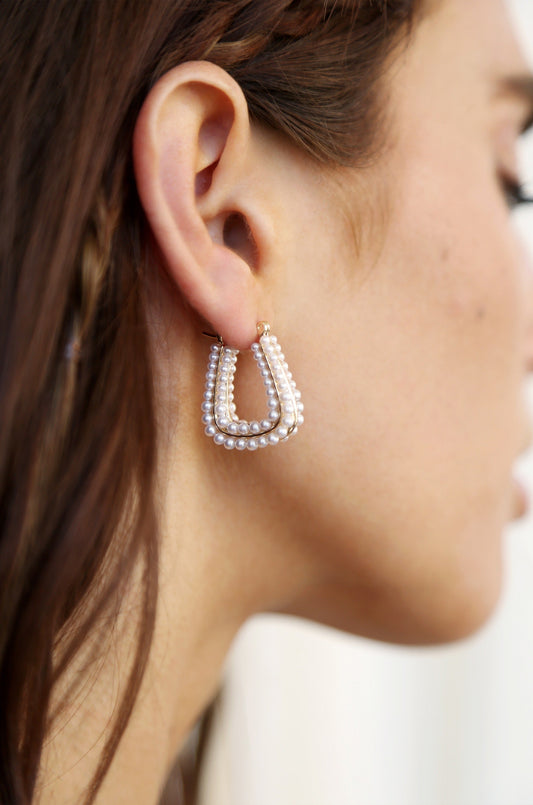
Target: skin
404	303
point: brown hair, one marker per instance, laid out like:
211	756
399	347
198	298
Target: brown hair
76	398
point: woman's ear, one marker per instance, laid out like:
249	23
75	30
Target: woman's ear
191	157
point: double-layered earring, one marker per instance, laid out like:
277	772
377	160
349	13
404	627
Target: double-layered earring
285	408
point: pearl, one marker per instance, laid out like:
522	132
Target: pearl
271	391
208	419
273	402
266	424
263	441
244	428
274	415
220	409
210	430
240	444
229	443
223	422
255	427
282	433
219	438
288	421
233	428
300	406
252	444
208	395
206	406
255	347
297	394
210	385
273	438
300	420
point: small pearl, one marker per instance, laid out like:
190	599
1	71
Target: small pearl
219	438
223	422
272	402
208	419
265	424
286	396
300	406
255	427
220	409
297	394
268	381
207	407
271	391
229	443
212	366
255	347
208	395
265	373
288	421
244	428
273	339
233	428
282	433
262	441
273	438
274	415
210	385
300	420
210	430
240	444
252	444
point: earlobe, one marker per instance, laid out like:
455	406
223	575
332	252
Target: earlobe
190	156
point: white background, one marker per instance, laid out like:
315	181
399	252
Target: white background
312	717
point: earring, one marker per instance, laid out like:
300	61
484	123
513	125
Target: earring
284	400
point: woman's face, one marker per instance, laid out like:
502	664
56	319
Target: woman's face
407	301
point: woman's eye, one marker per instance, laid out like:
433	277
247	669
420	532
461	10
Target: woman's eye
514	192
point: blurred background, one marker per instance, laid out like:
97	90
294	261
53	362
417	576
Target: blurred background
312	717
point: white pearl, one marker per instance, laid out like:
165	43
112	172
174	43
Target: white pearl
229	443
274	415
252	444
271	391
220	409
273	339
288	421
282	433
219	438
207	407
265	424
233	428
300	406
240	444
297	394
272	402
300	420
273	438
210	385
255	427
208	419
208	395
263	441
286	396
210	430
244	428
223	422
255	347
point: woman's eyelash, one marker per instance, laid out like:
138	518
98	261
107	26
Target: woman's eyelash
515	194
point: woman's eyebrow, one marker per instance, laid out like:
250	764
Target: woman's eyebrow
520	87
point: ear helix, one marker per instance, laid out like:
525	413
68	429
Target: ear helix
284	400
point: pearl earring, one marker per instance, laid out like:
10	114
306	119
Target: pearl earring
284	399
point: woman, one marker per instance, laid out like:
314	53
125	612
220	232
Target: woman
340	169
